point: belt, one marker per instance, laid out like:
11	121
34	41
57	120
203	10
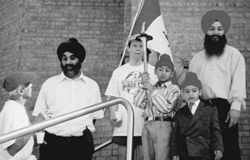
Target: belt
53	137
158	119
50	136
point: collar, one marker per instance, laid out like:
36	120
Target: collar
196	103
63	77
165	84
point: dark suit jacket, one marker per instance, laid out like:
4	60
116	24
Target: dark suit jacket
197	135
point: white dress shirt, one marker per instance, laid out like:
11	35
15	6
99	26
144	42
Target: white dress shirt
60	95
195	106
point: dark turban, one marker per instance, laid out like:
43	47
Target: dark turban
213	15
165	60
72	46
192	80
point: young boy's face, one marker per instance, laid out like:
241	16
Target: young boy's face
191	93
163	73
135	50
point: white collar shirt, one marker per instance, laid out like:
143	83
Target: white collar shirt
60	95
195	106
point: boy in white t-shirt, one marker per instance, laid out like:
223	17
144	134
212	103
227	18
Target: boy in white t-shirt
124	82
13	116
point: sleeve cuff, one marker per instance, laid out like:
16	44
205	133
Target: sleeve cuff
236	105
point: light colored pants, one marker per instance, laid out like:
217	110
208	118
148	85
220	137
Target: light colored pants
122	152
156	138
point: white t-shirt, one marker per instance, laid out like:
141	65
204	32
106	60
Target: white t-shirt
13	117
124	83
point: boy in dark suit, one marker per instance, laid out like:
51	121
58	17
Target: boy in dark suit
197	131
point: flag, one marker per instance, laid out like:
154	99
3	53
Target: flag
150	13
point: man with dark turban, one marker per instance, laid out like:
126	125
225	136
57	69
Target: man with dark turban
221	69
64	93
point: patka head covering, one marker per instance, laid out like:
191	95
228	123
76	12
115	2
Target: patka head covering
192	80
165	60
12	81
213	15
72	46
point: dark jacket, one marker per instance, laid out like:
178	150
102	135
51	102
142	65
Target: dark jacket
197	135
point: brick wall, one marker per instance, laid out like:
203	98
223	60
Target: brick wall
10	22
30	32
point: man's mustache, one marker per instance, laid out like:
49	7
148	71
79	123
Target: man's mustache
69	66
217	36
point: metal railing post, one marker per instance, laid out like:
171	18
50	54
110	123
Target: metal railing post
48	123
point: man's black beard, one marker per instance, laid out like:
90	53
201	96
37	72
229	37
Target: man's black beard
214	47
73	71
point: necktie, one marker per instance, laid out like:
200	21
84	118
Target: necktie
190	106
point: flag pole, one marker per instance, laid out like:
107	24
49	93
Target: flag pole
133	24
144	39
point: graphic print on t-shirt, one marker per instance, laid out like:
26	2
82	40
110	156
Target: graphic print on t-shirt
131	82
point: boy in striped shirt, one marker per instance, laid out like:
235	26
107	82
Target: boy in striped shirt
159	104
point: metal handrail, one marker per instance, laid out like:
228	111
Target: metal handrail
101	146
75	114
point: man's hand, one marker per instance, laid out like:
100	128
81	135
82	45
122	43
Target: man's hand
176	158
233	117
47	115
144	77
218	154
114	120
185	62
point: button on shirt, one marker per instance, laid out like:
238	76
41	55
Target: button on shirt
60	95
